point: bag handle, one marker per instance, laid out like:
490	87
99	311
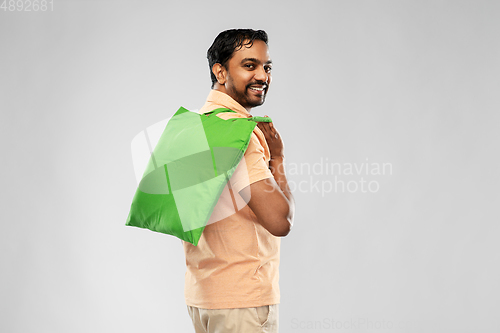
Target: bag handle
257	119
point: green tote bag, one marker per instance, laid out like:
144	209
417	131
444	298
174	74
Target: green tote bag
193	160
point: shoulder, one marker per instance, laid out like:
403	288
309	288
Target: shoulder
229	115
258	145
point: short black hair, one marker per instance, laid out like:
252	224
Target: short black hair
229	41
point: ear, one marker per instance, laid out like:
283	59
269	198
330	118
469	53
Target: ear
220	73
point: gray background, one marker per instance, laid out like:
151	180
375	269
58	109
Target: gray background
410	83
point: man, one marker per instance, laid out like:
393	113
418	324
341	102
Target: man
232	275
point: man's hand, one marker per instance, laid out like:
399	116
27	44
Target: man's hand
273	139
271	199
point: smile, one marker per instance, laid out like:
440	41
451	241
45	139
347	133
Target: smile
258	89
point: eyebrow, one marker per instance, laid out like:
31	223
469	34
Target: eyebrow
269	62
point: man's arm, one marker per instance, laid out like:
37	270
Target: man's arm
271	199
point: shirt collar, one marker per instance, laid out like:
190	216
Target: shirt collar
223	99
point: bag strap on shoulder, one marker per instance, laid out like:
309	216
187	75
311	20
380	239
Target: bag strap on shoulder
254	118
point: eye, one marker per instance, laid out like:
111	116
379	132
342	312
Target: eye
268	69
249	66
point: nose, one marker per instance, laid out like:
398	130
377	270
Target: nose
261	74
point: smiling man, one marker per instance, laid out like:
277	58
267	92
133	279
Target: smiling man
246	76
232	275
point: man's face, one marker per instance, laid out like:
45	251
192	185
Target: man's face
249	74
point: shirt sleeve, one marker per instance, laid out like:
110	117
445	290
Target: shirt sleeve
254	165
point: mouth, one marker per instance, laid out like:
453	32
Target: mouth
258	89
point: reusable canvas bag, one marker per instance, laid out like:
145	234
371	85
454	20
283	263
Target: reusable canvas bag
193	160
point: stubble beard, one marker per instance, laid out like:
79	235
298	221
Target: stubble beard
243	97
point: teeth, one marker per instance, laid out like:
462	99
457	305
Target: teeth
258	89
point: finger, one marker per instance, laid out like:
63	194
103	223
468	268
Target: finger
265	128
273	130
262	127
270	132
271	127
